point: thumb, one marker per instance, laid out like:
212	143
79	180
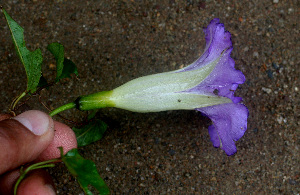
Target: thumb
23	138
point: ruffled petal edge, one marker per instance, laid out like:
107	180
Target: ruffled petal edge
217	40
229	125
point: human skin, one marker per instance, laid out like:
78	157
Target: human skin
32	136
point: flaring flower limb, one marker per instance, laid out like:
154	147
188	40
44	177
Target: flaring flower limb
230	119
229	125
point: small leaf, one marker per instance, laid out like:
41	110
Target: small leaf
69	68
32	61
90	133
85	172
64	66
43	82
92	114
57	50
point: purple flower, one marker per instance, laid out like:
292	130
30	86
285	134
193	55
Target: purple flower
207	85
230	119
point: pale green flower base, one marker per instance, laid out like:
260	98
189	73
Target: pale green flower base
154	93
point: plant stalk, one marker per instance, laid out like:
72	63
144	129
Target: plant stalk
39	165
62	108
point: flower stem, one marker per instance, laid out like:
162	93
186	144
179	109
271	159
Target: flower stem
39	165
62	108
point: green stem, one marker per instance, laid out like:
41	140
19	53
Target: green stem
62	108
14	103
39	165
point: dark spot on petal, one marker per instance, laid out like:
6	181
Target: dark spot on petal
216	92
224	49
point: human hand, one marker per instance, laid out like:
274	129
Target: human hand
30	137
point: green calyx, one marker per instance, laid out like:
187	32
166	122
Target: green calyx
95	101
88	102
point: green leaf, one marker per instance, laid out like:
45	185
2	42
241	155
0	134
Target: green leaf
85	172
92	114
32	61
90	133
43	82
69	68
64	66
57	50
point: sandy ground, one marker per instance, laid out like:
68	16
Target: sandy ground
113	42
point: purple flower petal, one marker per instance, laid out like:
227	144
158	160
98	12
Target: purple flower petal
229	125
229	120
217	40
224	78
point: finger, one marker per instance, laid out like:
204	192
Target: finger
7	181
5	116
23	138
64	137
35	182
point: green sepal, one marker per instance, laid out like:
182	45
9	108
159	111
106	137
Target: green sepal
95	101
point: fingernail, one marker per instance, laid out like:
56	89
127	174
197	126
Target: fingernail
35	121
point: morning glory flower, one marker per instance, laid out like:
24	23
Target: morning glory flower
207	85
